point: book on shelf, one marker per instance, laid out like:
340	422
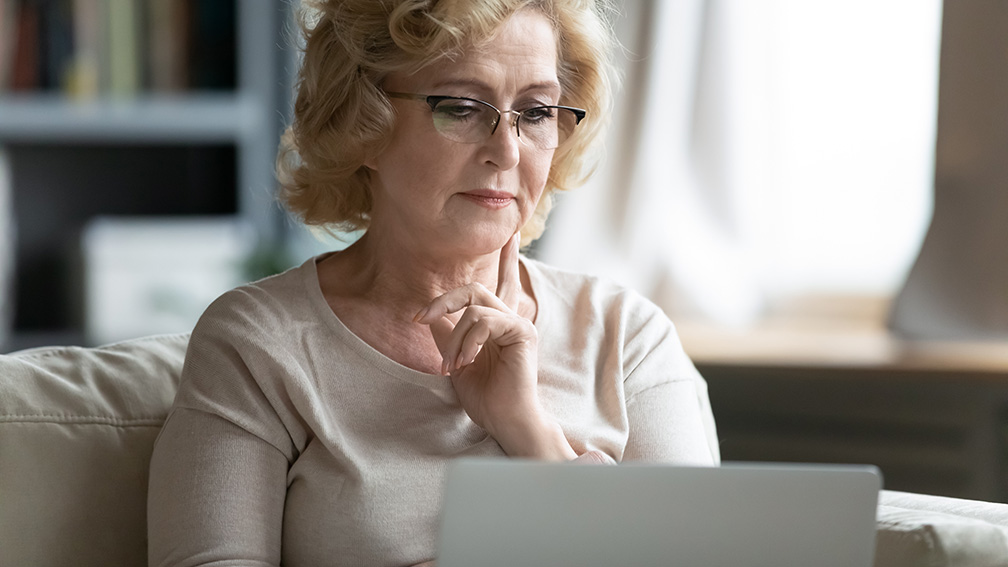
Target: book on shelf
167	58
91	48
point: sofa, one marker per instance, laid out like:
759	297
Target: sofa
77	426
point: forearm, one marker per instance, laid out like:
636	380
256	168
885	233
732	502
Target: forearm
536	437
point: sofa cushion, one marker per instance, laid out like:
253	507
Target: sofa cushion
917	530
77	427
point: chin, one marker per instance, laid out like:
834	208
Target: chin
485	240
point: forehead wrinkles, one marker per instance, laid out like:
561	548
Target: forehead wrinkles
531	17
526	39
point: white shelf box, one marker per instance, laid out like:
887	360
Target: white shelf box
145	276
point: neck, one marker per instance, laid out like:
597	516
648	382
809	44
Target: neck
403	278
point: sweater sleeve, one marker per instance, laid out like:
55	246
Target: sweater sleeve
216	495
668	409
218	476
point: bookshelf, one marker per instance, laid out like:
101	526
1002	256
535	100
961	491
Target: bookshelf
194	136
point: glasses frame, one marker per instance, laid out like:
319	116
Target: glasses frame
433	100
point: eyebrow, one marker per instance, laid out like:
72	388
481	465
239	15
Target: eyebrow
480	85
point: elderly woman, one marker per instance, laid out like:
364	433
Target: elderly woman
318	408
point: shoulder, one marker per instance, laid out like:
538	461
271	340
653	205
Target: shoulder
251	334
601	315
260	304
256	321
585	293
243	358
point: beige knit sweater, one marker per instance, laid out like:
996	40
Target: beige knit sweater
292	441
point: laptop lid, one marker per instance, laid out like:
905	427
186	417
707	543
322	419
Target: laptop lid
513	512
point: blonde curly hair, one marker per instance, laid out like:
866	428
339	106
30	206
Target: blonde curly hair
342	117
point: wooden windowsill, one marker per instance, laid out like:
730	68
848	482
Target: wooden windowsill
851	334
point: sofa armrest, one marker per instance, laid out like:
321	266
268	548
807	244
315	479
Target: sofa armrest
916	530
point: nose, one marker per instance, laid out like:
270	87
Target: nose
510	117
503	146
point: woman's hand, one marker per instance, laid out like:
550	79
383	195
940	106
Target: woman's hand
491	354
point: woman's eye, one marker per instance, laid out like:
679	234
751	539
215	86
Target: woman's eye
458	110
539	114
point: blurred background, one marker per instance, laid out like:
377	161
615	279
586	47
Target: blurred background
815	191
137	141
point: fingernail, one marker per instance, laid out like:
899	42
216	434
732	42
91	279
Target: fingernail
420	314
459	361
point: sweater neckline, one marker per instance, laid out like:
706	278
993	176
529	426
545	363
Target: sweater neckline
309	273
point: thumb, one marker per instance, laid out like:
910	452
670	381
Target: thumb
441	330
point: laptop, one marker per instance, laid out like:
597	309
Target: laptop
511	513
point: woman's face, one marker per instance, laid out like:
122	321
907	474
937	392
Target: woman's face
468	198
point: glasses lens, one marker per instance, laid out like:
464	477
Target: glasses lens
547	127
472	121
463	120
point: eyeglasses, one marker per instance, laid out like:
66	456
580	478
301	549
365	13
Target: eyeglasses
472	121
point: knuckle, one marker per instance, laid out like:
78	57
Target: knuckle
470	316
482	326
477	290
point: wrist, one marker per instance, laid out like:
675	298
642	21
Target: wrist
538	437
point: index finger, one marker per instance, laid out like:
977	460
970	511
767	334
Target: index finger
508	279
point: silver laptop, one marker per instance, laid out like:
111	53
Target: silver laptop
511	513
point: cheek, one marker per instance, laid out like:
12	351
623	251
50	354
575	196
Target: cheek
415	158
536	172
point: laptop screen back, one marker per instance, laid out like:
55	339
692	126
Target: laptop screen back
509	512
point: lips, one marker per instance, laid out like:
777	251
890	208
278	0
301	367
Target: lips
489	198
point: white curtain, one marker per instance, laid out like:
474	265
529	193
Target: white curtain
758	151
